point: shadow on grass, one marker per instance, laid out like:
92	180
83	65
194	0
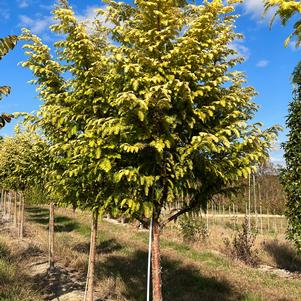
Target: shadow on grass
105	247
285	256
38	215
62	223
180	282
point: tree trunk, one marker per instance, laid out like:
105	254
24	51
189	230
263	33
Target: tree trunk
8	196
19	215
22	217
89	294
156	263
15	209
4	204
51	236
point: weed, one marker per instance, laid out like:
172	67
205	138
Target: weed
242	245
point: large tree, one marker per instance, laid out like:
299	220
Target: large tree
146	109
183	126
291	175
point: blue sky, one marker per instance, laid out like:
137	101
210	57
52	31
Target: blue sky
268	63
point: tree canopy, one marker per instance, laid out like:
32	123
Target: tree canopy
144	110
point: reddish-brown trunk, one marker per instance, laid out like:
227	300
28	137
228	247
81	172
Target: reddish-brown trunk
51	236
156	263
89	296
15	209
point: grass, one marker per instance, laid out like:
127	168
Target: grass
13	284
190	272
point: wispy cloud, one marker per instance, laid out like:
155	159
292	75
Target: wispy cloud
262	63
255	8
23	3
90	14
241	49
37	25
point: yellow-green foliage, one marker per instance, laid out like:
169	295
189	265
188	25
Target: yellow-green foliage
23	160
286	9
146	107
182	126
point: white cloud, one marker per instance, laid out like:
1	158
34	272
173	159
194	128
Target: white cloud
241	49
23	3
255	8
90	14
278	160
38	25
262	63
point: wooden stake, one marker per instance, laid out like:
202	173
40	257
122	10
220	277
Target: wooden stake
223	213
255	201
22	217
234	220
51	236
207	218
249	217
275	222
89	294
268	220
15	209
261	228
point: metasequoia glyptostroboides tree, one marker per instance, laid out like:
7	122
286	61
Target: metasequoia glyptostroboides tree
182	127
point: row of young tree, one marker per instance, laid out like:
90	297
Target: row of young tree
260	189
141	112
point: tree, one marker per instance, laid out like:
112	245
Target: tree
74	86
291	175
22	161
269	192
155	116
285	10
6	44
182	120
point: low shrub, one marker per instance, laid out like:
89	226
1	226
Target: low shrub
193	229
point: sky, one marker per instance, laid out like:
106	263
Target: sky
268	64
